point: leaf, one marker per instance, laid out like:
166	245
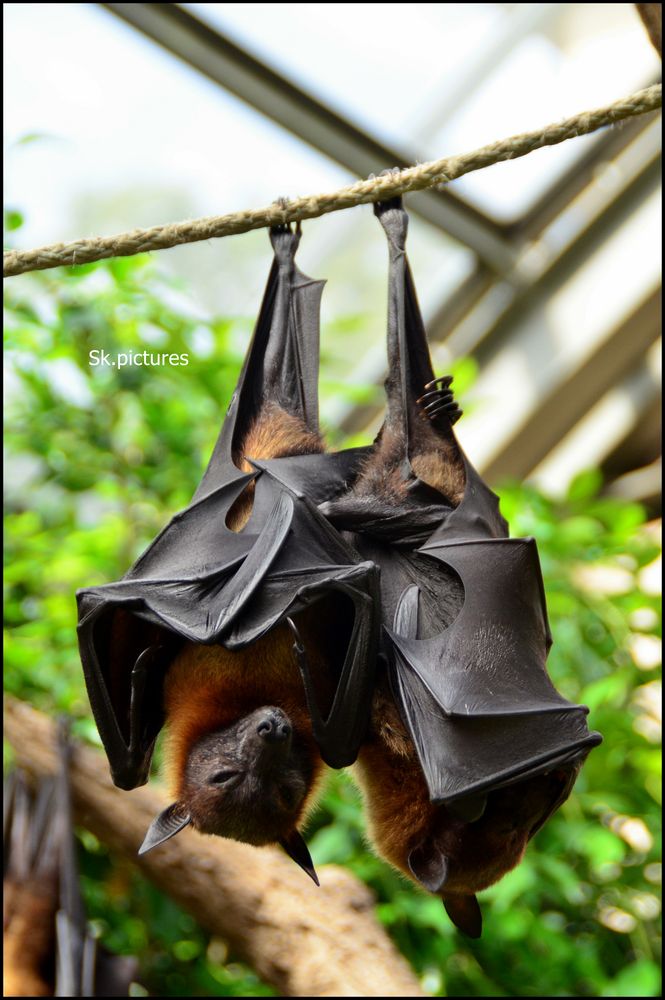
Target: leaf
28	138
641	979
585	485
13	219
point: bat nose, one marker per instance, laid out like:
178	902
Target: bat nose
274	727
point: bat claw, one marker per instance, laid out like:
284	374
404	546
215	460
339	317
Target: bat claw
444	382
436	394
285	225
438	401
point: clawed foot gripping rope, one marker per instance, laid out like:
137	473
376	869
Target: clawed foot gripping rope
424	175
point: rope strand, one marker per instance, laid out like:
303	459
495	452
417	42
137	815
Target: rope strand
424	175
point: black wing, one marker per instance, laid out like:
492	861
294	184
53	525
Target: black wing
200	581
475	695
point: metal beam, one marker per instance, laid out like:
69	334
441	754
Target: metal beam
601	217
574	396
235	69
608	146
643	485
613	425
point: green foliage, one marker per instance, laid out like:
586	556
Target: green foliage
99	457
177	958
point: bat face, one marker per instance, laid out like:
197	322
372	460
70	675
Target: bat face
248	781
458	848
461	856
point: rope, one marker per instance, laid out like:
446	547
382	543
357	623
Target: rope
424	175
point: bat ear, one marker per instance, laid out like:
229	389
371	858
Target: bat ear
429	865
465	914
170	821
297	850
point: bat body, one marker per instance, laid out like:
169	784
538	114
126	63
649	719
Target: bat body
313	608
200	633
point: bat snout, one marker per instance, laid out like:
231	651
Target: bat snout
273	726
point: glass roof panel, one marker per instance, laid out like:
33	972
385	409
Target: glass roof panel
429	81
375	66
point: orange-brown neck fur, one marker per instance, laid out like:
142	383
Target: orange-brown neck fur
438	463
278	434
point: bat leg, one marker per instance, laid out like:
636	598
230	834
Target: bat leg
282	365
421	408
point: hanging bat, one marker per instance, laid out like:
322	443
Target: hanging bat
471	748
199	632
47	948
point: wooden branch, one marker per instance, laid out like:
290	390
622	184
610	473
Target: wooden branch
652	18
303	940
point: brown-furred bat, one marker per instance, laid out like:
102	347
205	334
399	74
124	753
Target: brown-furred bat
312	608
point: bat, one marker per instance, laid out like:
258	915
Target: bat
471	747
200	632
47	948
420	628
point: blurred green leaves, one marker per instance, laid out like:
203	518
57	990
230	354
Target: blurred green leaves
98	459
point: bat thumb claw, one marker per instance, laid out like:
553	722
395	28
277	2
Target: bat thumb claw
297	850
164	826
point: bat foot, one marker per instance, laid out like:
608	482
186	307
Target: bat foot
438	401
386	204
285	226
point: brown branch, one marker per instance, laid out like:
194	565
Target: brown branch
652	17
303	940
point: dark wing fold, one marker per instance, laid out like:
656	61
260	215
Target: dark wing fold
296	559
477	699
314	565
282	361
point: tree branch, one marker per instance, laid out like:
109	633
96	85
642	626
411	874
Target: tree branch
303	940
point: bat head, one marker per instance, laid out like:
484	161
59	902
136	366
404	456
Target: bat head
470	845
249	782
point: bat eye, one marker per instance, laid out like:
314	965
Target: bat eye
222	777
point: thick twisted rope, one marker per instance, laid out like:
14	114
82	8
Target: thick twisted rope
424	175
